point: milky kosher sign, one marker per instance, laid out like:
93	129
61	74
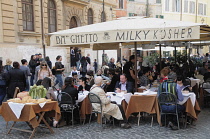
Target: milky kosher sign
166	34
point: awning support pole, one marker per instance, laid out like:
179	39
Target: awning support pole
135	44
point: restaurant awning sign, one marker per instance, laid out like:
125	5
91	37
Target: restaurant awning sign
167	34
129	29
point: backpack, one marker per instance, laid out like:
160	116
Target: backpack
168	86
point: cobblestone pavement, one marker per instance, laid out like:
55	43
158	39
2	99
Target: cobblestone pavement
201	130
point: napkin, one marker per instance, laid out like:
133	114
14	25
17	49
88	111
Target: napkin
16	108
42	104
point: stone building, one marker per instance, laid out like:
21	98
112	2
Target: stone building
21	28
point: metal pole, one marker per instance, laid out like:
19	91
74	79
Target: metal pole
160	57
181	11
135	43
42	27
175	54
103	21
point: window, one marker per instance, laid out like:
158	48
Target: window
158	1
192	7
200	8
90	16
176	5
27	13
103	17
204	9
167	5
186	6
120	4
73	22
52	25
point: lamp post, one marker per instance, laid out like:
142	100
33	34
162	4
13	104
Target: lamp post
42	28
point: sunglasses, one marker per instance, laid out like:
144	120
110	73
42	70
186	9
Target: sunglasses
44	65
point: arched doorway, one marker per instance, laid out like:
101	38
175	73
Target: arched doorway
73	22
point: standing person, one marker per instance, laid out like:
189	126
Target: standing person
88	62
8	66
83	69
106	58
44	71
16	78
128	69
26	70
32	66
49	63
2	82
95	65
59	68
205	59
40	57
111	63
78	58
73	62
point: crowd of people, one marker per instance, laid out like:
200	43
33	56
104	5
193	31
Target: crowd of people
112	76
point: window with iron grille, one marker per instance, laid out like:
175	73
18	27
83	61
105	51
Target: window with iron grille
52	24
28	15
73	22
200	8
90	16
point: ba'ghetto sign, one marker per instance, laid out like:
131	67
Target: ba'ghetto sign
167	34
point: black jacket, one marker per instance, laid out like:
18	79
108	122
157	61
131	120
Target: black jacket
111	87
72	92
129	86
15	78
32	66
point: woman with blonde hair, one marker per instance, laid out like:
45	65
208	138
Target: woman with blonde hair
44	71
8	66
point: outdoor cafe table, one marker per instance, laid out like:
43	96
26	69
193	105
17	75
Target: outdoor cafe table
32	114
143	103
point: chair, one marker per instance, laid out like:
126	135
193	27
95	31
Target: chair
206	92
94	99
139	116
66	104
166	98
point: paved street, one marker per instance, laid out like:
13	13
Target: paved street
93	131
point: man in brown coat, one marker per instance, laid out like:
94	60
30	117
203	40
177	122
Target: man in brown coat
108	108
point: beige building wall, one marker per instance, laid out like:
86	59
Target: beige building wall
185	14
15	43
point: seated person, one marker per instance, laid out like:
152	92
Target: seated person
69	88
90	78
207	75
74	71
144	79
83	84
163	75
124	85
114	80
99	73
75	78
109	108
165	87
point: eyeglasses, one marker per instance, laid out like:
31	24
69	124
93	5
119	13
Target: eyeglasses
44	65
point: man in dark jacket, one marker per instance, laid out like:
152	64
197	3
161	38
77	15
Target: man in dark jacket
16	78
206	76
111	63
124	85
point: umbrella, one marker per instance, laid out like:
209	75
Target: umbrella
129	30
